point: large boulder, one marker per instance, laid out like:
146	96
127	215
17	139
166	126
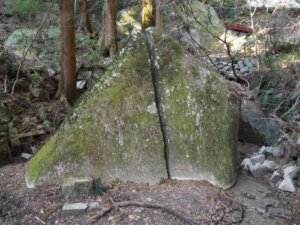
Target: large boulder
256	127
120	128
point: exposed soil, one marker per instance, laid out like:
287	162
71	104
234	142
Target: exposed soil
198	200
248	202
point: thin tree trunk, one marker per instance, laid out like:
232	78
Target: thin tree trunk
152	14
159	15
148	14
68	50
85	24
108	37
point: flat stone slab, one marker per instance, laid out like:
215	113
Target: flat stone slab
76	189
26	156
74	209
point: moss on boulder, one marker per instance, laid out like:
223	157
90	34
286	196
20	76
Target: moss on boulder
114	131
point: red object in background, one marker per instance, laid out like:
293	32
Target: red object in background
239	29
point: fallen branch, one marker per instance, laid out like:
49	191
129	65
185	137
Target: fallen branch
29	134
174	212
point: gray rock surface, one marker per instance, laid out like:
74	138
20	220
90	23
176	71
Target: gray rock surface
74	209
258	170
292	172
26	156
260	158
75	189
276	151
276	177
255	127
270	165
287	185
93	205
247	164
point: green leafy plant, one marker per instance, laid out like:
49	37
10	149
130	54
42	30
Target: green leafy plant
268	100
42	113
36	75
47	124
24	7
97	188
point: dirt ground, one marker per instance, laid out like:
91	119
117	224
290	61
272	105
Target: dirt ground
198	200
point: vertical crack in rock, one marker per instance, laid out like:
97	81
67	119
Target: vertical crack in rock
158	99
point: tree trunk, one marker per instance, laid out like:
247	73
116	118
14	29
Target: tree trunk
148	14
108	37
84	23
159	15
152	14
68	49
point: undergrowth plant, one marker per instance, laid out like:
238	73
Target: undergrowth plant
29	8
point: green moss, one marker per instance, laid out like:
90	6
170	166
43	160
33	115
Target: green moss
113	132
210	145
108	129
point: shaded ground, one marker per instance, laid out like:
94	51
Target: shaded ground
248	202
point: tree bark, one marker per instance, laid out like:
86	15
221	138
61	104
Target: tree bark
152	14
148	14
68	48
158	15
108	37
84	23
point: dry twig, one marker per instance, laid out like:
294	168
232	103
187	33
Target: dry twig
174	212
25	52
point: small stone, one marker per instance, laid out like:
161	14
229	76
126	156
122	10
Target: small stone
262	149
287	185
224	63
241	64
247	164
138	210
253	61
51	72
298	142
290	150
270	165
277	151
252	70
292	172
76	189
275	177
93	205
74	209
244	70
260	158
80	84
26	156
298	162
34	150
97	73
258	170
288	164
267	151
248	63
227	68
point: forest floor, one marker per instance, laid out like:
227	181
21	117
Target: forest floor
248	202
